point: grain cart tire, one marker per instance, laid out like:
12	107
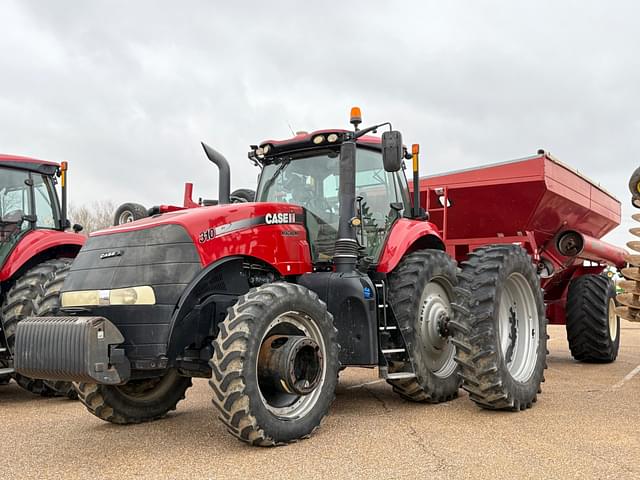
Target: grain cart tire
47	303
500	329
20	302
275	365
420	293
136	401
129	212
243	195
593	328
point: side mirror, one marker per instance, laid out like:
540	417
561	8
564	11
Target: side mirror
77	228
392	157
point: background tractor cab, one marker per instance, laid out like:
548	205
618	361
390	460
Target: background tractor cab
34	245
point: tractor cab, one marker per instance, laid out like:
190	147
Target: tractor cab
28	199
305	171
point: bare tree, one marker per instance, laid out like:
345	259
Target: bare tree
93	216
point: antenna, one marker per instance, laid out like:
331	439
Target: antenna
290	128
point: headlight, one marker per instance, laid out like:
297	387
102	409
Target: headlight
118	296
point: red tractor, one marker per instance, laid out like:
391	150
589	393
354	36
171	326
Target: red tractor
34	248
333	266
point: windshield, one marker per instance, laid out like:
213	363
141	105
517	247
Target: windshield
312	182
16	205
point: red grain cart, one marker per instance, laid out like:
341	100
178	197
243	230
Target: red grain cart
558	216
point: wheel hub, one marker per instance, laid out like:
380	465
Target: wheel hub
435	314
517	321
292	364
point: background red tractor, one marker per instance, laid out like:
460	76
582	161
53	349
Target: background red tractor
34	247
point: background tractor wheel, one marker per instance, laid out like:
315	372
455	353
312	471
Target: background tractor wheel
20	302
47	303
593	328
500	329
420	292
243	195
634	187
275	328
136	401
129	212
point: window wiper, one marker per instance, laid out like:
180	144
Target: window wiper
275	175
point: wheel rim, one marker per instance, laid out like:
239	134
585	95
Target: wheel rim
435	309
518	327
613	320
292	406
125	217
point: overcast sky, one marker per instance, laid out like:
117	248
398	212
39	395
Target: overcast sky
125	91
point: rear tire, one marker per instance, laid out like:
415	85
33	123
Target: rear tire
129	212
136	401
593	328
20	302
252	411
420	292
500	328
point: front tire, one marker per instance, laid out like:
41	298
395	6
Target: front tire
250	404
593	328
500	328
20	302
420	292
136	401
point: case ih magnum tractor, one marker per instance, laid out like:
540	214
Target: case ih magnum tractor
331	267
34	247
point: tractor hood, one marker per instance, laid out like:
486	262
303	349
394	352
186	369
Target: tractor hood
272	232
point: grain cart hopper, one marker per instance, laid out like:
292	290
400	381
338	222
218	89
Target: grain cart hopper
34	248
331	267
558	216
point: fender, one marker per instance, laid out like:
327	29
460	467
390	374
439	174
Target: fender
408	235
36	242
221	283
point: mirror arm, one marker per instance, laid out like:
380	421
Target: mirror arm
360	133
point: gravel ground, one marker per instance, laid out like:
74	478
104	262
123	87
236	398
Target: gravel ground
586	424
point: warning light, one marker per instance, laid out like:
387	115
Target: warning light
356	117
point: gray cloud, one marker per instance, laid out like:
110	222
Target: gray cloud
126	90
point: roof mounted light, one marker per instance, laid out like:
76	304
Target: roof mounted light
259	153
318	139
266	149
332	137
356	117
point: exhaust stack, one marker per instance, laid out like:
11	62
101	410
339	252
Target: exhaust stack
224	183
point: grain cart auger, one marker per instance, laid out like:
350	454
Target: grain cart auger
35	254
330	267
630	298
